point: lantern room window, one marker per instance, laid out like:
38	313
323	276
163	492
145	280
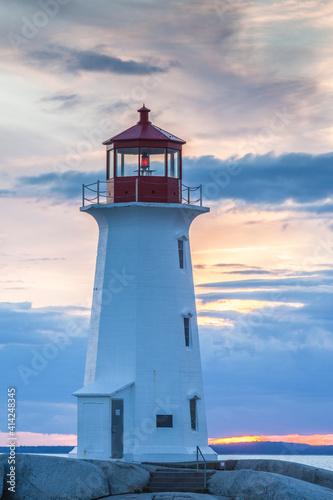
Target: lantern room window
152	161
110	163
127	162
173	163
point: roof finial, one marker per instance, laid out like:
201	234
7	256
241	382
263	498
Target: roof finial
144	115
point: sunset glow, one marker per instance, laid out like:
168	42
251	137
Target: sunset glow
207	321
314	440
248	86
39	439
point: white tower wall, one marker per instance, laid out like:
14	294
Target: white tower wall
136	350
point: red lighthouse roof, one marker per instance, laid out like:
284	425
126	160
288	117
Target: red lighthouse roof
144	130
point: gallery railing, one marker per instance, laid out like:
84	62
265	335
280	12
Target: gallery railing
97	193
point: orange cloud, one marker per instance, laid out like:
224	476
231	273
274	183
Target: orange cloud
243	306
314	440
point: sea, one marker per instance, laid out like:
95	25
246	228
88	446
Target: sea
320	461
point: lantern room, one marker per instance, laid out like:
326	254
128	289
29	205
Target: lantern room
144	163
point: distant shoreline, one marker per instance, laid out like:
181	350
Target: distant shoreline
271	448
256	448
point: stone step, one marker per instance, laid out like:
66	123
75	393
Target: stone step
172	475
188	489
177	480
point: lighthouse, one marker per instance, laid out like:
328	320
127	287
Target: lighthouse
143	398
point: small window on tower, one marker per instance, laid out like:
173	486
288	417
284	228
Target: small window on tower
181	254
193	413
164	421
187	331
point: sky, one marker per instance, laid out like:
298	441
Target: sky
248	84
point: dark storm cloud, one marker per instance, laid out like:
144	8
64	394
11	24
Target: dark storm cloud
73	61
265	179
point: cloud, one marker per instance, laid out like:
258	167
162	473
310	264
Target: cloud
42	259
73	61
58	186
39	439
42	354
273	358
248	271
4	193
271	283
61	98
265	179
63	101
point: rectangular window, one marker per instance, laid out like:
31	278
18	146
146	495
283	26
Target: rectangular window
173	163
187	331
127	162
152	161
164	421
110	164
181	253
193	413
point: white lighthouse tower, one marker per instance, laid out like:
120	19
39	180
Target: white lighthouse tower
143	398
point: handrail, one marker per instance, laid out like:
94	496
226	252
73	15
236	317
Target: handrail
97	193
205	465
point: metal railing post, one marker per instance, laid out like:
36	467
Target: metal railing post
200	195
188	196
97	192
205	465
83	195
136	189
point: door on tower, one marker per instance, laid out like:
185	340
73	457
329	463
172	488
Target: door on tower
117	427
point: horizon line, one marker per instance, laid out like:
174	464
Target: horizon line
40	439
309	439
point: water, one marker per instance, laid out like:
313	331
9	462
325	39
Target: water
320	461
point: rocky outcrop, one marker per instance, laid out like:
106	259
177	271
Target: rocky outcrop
41	477
313	475
257	485
123	477
167	496
2	477
52	478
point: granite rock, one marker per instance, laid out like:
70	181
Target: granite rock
2	477
123	477
167	496
313	475
41	477
257	485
